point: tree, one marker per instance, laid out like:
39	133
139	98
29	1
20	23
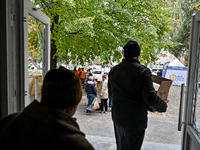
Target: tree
35	39
83	29
182	35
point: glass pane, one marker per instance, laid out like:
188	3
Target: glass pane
196	108
197	114
35	54
196	96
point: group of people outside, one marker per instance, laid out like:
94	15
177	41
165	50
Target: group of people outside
97	88
49	124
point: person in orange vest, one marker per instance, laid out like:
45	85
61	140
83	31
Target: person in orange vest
78	72
82	77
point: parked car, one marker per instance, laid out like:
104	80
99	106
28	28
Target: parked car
96	68
156	68
106	71
97	72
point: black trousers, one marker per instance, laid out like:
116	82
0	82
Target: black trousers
82	81
104	104
128	139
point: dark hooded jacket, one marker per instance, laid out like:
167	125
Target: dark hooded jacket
90	88
41	127
131	88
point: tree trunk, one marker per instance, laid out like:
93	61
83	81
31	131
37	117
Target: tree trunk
53	45
53	58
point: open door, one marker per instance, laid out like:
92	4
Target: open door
191	125
36	47
17	17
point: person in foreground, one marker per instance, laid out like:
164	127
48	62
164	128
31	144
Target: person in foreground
131	88
49	124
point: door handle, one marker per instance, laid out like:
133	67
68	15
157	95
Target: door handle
181	107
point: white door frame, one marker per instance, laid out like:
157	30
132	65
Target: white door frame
39	15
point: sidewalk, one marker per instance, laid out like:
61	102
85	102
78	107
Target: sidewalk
161	133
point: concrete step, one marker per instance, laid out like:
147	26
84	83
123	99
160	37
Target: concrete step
108	143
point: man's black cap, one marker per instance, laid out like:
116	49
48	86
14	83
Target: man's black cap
131	49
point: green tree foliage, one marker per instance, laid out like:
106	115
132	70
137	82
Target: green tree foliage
196	6
35	39
83	29
182	34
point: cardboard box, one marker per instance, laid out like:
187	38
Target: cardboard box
32	86
99	84
165	85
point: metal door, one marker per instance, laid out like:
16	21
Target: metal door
191	125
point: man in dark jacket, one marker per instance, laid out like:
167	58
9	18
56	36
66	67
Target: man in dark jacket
49	124
131	88
91	93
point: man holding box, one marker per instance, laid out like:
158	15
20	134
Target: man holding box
131	88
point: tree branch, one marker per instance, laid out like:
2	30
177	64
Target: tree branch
78	32
125	4
75	14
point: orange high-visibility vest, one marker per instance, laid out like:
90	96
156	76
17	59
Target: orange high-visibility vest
83	73
78	72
